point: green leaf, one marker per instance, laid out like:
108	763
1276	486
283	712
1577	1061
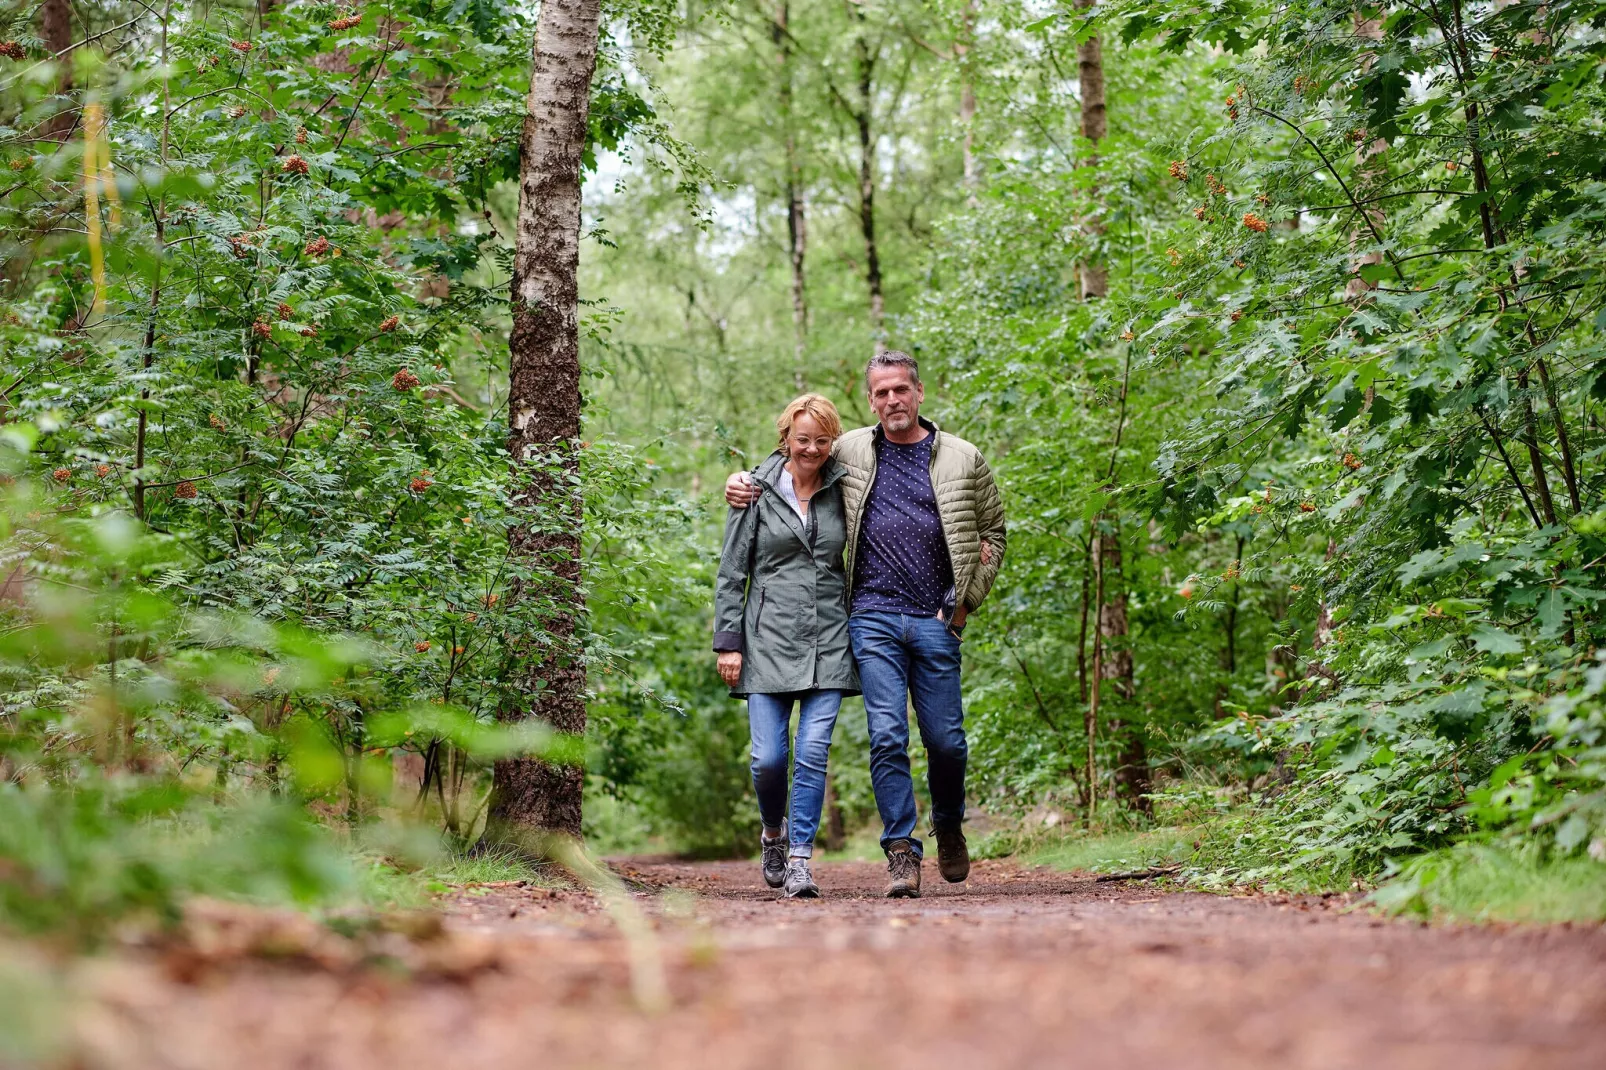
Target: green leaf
1493	640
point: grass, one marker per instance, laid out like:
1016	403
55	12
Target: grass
489	867
1113	851
1490	882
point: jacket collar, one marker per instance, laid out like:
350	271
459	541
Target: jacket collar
768	476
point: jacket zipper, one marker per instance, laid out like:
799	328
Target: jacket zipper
762	592
858	525
959	596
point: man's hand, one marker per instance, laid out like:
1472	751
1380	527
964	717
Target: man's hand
730	666
986	553
740	490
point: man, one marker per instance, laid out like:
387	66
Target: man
925	541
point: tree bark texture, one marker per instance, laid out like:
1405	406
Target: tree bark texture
55	29
964	48
1095	118
797	236
862	117
1115	666
544	417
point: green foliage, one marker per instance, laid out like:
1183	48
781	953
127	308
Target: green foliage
1480	882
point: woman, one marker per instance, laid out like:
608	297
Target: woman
781	630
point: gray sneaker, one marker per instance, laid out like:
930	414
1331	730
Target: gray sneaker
903	871
773	859
799	881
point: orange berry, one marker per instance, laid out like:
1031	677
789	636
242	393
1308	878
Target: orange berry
421	646
186	490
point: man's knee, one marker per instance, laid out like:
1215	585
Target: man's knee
948	746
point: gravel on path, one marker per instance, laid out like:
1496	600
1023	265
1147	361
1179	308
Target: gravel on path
1014	968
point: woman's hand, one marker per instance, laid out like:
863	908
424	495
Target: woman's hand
730	666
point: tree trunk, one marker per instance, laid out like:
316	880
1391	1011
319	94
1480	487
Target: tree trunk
1229	650
1115	666
963	48
796	221
836	825
862	117
1090	77
544	419
55	30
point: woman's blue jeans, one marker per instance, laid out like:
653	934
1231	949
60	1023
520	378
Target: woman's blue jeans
769	719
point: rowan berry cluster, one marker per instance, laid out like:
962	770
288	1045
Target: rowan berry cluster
404	380
61	475
241	46
345	22
390	325
1351	461
286	312
1179	170
186	490
294	165
262	329
317	246
1255	223
12	50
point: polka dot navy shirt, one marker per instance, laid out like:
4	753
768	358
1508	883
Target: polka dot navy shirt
902	561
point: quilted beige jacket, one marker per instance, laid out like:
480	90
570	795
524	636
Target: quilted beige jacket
967	503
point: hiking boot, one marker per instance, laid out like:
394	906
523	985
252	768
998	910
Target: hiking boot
953	857
773	859
903	871
799	881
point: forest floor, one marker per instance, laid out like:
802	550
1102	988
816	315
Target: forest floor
1016	968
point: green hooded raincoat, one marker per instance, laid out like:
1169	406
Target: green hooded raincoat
781	597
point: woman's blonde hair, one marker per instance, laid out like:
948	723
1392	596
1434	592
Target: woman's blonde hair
815	405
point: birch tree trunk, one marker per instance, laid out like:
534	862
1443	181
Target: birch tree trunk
544	419
865	67
796	220
964	48
1090	79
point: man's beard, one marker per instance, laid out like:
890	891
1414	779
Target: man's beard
897	421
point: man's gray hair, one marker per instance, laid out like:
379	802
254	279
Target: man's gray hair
893	358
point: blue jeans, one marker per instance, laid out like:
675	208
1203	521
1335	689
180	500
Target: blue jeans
902	657
769	720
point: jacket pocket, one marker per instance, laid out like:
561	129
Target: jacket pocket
758	617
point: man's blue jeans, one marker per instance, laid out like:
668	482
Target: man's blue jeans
902	657
769	719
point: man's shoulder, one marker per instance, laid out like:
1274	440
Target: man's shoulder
856	448
955	446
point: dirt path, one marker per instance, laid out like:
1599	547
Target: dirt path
1015	969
